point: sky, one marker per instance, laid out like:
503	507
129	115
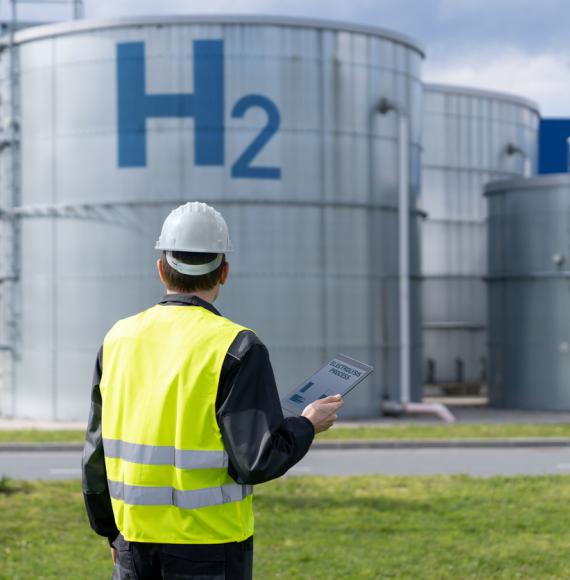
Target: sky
518	46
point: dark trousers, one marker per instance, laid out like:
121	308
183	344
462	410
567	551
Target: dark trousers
146	561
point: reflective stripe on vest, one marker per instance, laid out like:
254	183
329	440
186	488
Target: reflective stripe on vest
164	455
186	499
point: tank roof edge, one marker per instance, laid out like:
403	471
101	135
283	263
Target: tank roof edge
545	180
78	26
477	92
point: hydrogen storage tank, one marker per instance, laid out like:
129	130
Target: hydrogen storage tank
529	293
273	121
470	137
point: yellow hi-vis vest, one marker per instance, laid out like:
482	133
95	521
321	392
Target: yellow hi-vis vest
166	463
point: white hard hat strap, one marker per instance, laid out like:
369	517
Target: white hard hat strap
194	269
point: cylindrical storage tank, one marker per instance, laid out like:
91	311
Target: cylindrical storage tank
529	293
273	121
470	137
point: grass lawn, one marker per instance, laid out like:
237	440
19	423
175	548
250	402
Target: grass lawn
405	431
41	436
443	431
323	528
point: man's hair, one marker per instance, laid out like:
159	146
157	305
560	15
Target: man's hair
184	283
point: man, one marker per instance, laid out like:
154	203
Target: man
185	418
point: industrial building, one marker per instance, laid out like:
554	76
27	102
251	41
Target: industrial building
470	137
307	136
276	123
529	314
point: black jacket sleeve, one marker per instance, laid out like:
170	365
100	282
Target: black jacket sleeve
260	442
95	488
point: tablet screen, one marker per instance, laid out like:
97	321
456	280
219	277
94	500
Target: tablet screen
338	376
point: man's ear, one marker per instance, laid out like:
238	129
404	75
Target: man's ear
160	268
225	273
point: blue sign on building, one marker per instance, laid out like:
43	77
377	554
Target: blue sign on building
205	105
553	146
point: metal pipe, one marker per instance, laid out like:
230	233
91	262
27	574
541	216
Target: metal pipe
513	149
527	169
437	409
397	409
453	324
404	255
384	107
404	404
559	274
14	19
68	209
78	9
10	319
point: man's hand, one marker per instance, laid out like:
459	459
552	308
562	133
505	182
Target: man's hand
114	554
322	413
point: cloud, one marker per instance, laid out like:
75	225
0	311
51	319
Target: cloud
364	11
544	78
515	45
455	25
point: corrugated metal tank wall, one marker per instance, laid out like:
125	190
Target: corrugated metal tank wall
467	134
315	231
529	293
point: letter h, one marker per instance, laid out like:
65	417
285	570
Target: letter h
205	105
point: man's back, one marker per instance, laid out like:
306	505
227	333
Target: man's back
165	458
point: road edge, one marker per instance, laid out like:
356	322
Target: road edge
352	444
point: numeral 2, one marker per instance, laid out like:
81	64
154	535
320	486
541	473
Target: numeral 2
242	167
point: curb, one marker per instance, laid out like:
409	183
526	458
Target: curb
41	447
353	444
444	444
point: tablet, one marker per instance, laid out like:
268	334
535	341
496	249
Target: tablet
339	376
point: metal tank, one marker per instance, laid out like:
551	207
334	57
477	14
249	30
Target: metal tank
276	123
470	137
529	293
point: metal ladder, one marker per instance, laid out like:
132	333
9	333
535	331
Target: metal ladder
10	200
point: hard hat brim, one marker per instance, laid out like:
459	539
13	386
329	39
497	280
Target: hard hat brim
193	250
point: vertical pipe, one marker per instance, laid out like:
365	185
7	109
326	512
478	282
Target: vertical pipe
54	253
378	385
14	19
513	149
527	169
404	256
77	9
14	225
323	216
568	151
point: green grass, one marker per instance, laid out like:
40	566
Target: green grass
41	436
404	431
326	528
443	431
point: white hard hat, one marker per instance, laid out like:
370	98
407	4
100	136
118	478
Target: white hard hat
194	227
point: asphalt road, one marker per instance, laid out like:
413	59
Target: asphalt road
476	462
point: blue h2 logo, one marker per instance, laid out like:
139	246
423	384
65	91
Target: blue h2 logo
205	105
